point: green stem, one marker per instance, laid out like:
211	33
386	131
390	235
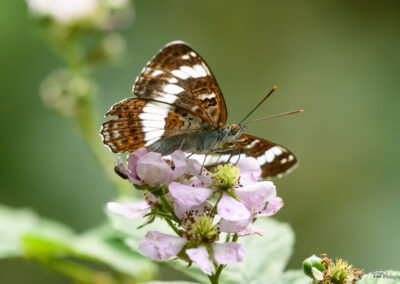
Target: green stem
218	272
235	238
169	208
86	115
216	203
173	227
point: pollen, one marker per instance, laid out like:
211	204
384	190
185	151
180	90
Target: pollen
226	176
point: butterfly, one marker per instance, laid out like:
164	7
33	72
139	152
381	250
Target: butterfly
178	105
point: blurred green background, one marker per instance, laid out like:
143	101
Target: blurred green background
337	60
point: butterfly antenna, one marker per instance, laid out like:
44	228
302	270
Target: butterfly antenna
260	103
275	115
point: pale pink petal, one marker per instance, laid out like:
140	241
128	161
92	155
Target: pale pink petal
131	175
188	195
201	258
250	230
181	209
228	253
153	170
233	226
250	170
121	166
180	163
130	211
133	158
195	169
273	207
156	245
255	196
232	210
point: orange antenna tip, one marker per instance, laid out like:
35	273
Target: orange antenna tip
301	110
275	87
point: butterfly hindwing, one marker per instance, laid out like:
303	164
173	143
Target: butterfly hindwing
274	160
178	76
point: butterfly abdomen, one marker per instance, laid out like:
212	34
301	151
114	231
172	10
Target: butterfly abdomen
198	142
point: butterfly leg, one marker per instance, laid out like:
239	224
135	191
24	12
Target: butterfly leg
238	152
206	154
204	162
182	143
234	152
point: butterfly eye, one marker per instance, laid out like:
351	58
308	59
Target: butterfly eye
234	129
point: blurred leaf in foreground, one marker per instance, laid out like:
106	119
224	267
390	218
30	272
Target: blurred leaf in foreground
98	254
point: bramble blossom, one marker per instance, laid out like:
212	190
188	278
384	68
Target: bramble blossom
199	206
102	14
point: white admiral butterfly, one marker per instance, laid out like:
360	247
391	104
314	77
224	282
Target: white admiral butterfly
180	106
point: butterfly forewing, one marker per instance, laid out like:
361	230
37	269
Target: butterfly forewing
274	160
178	76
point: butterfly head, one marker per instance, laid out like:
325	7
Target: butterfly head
233	131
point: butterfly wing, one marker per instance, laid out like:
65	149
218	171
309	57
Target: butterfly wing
177	94
140	123
178	76
274	160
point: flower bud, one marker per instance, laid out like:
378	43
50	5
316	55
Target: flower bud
313	267
64	91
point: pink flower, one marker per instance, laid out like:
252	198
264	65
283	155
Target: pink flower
250	171
153	170
159	246
273	207
189	166
237	216
147	168
232	210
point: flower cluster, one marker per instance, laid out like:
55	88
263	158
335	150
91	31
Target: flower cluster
326	271
198	205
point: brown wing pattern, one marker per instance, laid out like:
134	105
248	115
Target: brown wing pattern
141	122
178	76
274	160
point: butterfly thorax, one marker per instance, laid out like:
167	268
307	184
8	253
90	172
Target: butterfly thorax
200	142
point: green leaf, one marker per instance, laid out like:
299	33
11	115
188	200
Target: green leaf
293	277
108	246
17	222
381	277
170	282
24	233
266	257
